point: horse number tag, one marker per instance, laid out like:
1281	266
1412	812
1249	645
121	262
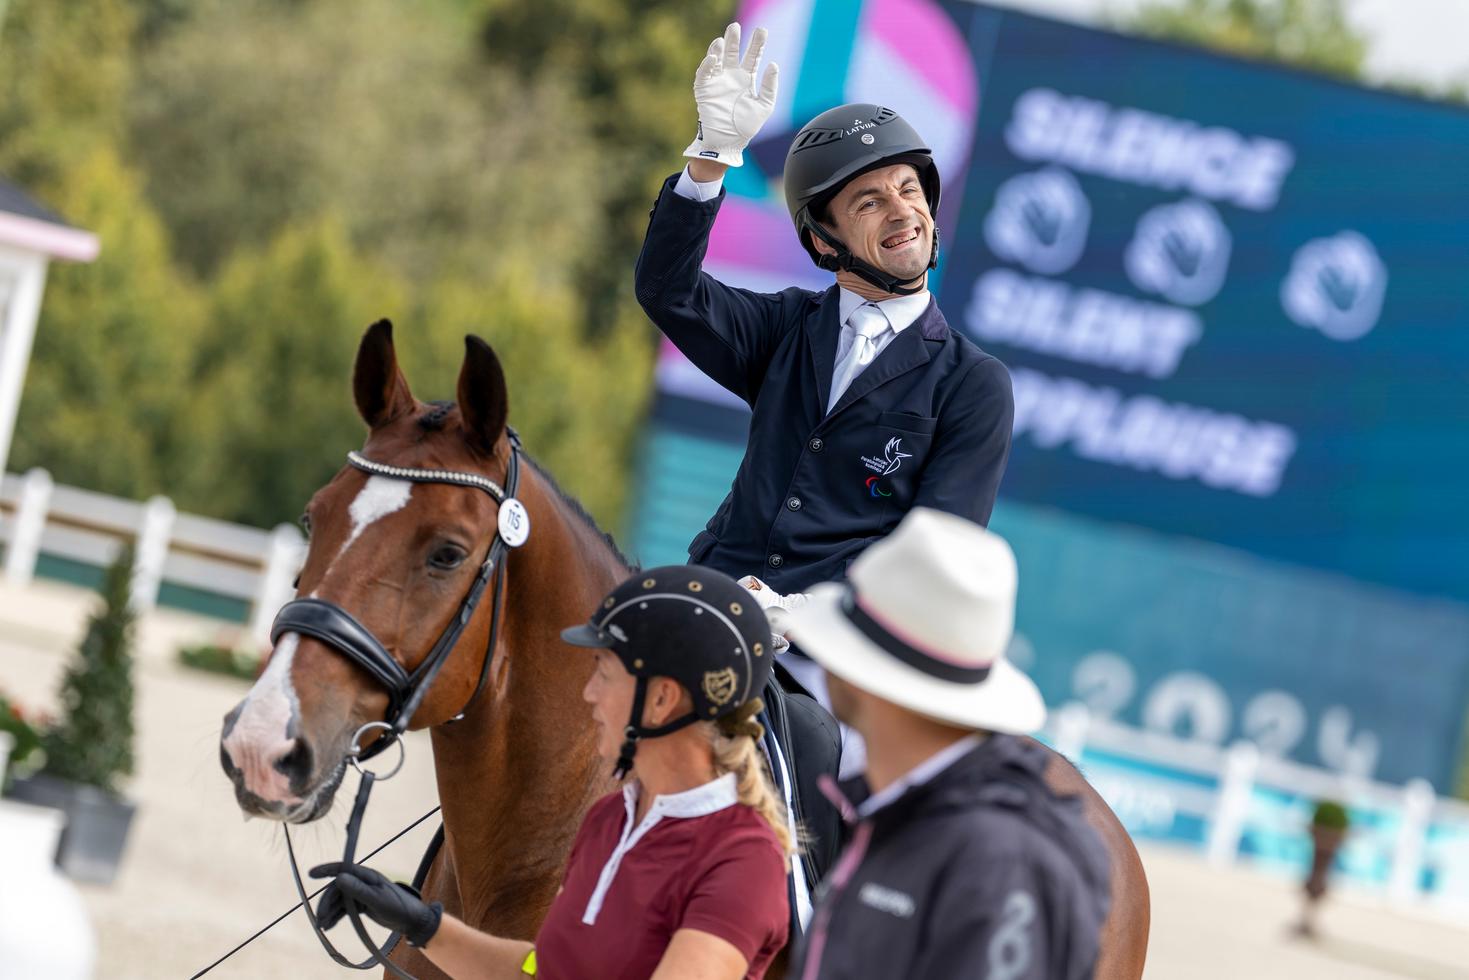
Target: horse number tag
514	522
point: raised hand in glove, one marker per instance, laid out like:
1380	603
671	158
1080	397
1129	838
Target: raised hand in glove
388	903
731	111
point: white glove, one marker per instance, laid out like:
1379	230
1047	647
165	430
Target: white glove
776	606
731	112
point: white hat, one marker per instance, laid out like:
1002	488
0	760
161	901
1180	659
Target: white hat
923	621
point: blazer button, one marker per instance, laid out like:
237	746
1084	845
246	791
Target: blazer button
794	503
816	445
775	561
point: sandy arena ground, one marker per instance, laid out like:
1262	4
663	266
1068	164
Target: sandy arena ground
197	879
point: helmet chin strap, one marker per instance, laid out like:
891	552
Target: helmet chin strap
635	730
845	261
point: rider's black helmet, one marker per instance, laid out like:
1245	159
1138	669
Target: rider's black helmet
692	624
841	144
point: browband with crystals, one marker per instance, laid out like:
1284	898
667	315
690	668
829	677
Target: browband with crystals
906	652
428	476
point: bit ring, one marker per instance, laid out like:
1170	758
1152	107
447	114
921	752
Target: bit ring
355	752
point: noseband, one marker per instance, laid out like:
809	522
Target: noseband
331	624
328	622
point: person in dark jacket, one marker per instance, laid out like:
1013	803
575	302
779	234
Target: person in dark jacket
866	403
961	862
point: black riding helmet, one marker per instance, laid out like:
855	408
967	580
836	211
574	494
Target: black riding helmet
689	623
841	144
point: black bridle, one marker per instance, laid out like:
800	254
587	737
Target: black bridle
331	624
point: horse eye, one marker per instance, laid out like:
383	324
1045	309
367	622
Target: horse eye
447	557
305	521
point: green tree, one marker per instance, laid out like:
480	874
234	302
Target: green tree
105	390
65	73
1309	33
631	68
466	196
577	401
277	416
92	742
157	17
319	164
252	117
274	414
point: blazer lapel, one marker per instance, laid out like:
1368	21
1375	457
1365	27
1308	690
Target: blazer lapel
822	333
908	350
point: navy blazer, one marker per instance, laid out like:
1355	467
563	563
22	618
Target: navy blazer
925	424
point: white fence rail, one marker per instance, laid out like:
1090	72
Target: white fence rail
1236	803
231	560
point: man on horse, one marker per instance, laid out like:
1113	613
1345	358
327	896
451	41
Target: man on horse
866	403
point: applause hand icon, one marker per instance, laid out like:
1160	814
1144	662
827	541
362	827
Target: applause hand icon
1336	285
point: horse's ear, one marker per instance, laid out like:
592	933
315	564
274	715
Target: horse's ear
484	404
380	389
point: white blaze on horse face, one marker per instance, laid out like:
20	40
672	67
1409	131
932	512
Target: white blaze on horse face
261	733
380	497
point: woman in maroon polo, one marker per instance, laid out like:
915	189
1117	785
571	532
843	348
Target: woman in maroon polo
682	874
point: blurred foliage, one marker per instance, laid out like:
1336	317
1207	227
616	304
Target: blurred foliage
371	111
241	664
1314	34
274	416
577	401
1307	33
1331	815
65	74
630	67
92	740
268	177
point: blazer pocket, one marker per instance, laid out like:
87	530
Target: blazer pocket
907	423
701	546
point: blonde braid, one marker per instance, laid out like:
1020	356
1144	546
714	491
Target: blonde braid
735	740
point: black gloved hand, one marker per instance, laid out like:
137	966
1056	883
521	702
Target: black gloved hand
388	903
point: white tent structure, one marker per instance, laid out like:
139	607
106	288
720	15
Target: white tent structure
30	237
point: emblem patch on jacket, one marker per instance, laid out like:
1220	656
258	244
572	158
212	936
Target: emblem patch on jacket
892	457
874	487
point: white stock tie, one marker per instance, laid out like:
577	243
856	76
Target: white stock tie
868	324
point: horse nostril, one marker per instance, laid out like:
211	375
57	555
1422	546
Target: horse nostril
226	763
230	719
295	765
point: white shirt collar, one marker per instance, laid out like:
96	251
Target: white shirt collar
901	311
920	774
700	801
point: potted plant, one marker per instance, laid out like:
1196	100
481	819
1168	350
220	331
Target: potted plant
1330	823
90	747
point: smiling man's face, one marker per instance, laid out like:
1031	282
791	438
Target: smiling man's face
883	218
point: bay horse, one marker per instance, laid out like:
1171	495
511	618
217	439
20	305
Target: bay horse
517	772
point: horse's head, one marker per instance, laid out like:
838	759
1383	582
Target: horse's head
396	556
